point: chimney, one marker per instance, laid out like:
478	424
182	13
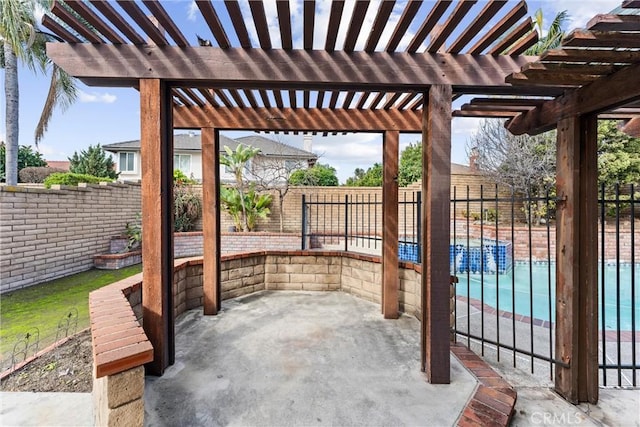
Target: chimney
473	159
307	143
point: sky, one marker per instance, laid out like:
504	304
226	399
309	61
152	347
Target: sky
107	115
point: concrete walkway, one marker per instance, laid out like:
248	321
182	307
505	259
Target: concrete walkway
46	409
301	358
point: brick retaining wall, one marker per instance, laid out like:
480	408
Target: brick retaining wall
50	233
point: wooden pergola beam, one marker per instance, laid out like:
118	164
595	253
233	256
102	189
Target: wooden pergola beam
278	69
390	278
577	260
211	277
156	153
607	93
436	185
300	119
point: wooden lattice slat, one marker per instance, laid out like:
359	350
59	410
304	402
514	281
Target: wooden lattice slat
213	21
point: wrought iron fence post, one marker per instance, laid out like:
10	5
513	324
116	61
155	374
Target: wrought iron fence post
304	222
346	222
418	220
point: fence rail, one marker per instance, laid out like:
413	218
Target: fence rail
503	251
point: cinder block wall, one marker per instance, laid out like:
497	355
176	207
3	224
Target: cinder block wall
47	234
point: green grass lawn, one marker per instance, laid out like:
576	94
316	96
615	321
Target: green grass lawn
43	306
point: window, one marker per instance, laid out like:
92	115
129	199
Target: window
126	162
291	165
248	168
182	162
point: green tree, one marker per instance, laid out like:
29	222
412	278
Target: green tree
553	36
618	155
371	178
237	162
21	41
26	157
410	167
319	176
93	161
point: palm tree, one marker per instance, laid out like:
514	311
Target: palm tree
554	35
237	161
21	41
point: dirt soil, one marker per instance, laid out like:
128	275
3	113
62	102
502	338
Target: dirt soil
67	368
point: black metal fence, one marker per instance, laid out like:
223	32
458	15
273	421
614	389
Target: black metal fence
502	250
354	222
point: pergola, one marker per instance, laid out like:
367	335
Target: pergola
232	82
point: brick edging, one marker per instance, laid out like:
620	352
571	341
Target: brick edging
494	400
117	339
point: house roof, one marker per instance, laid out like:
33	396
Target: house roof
269	147
191	142
59	164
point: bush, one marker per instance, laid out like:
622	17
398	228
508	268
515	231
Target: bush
133	231
93	161
26	157
72	179
187	208
180	178
37	174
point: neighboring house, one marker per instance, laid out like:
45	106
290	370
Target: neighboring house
187	156
58	164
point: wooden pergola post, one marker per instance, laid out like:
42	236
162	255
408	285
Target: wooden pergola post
577	260
156	151
436	185
390	279
211	220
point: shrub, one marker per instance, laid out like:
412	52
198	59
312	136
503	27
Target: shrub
133	231
93	161
72	179
256	206
37	174
187	207
180	178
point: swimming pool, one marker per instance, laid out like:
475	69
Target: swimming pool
543	290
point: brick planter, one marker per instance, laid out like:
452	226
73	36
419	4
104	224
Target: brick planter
117	261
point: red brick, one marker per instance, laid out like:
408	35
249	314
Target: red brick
122	342
489	413
484	395
99	339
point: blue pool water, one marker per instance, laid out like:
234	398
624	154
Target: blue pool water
499	287
489	256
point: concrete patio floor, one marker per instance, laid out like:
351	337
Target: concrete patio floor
301	358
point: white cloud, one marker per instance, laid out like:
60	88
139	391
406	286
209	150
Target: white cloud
580	11
104	98
50	152
192	11
465	125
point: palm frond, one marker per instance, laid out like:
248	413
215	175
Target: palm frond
62	93
18	27
554	34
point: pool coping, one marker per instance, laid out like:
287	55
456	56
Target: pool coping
493	401
610	335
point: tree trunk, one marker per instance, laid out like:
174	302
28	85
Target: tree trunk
12	114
